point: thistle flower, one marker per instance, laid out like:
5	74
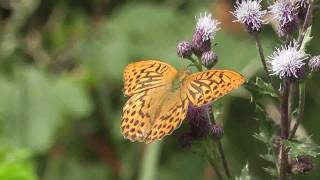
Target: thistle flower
302	7
205	31
285	12
314	63
198	120
208	25
184	49
249	13
287	62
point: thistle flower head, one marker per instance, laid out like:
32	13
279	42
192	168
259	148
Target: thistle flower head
184	49
287	61
302	8
314	63
249	13
209	59
208	25
285	12
198	120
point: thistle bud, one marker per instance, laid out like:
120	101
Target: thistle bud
216	131
184	49
209	59
301	165
314	64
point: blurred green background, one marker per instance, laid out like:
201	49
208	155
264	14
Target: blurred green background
61	64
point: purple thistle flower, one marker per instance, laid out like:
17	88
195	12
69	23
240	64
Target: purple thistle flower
314	64
184	49
198	45
205	31
285	12
287	61
198	120
302	7
208	25
209	59
249	13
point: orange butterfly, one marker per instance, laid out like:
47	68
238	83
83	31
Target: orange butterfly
160	95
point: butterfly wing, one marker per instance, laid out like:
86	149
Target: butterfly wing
152	114
144	75
136	118
168	115
207	86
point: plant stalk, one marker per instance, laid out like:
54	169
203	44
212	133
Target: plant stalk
220	148
283	156
302	94
263	60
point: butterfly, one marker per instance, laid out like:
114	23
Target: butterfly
159	96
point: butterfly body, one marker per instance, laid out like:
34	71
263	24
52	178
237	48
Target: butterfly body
160	96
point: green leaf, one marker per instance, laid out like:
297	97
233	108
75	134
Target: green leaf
244	174
268	157
260	88
266	126
15	165
301	149
271	171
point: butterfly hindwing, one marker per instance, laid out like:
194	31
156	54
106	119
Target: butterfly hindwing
170	117
136	117
207	86
153	114
144	75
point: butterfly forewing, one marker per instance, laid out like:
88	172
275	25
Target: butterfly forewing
144	75
204	87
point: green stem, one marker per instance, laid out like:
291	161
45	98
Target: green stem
263	61
150	161
302	97
196	63
212	158
220	148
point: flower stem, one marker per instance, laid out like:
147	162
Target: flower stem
302	94
220	148
263	60
283	156
212	158
196	63
150	161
